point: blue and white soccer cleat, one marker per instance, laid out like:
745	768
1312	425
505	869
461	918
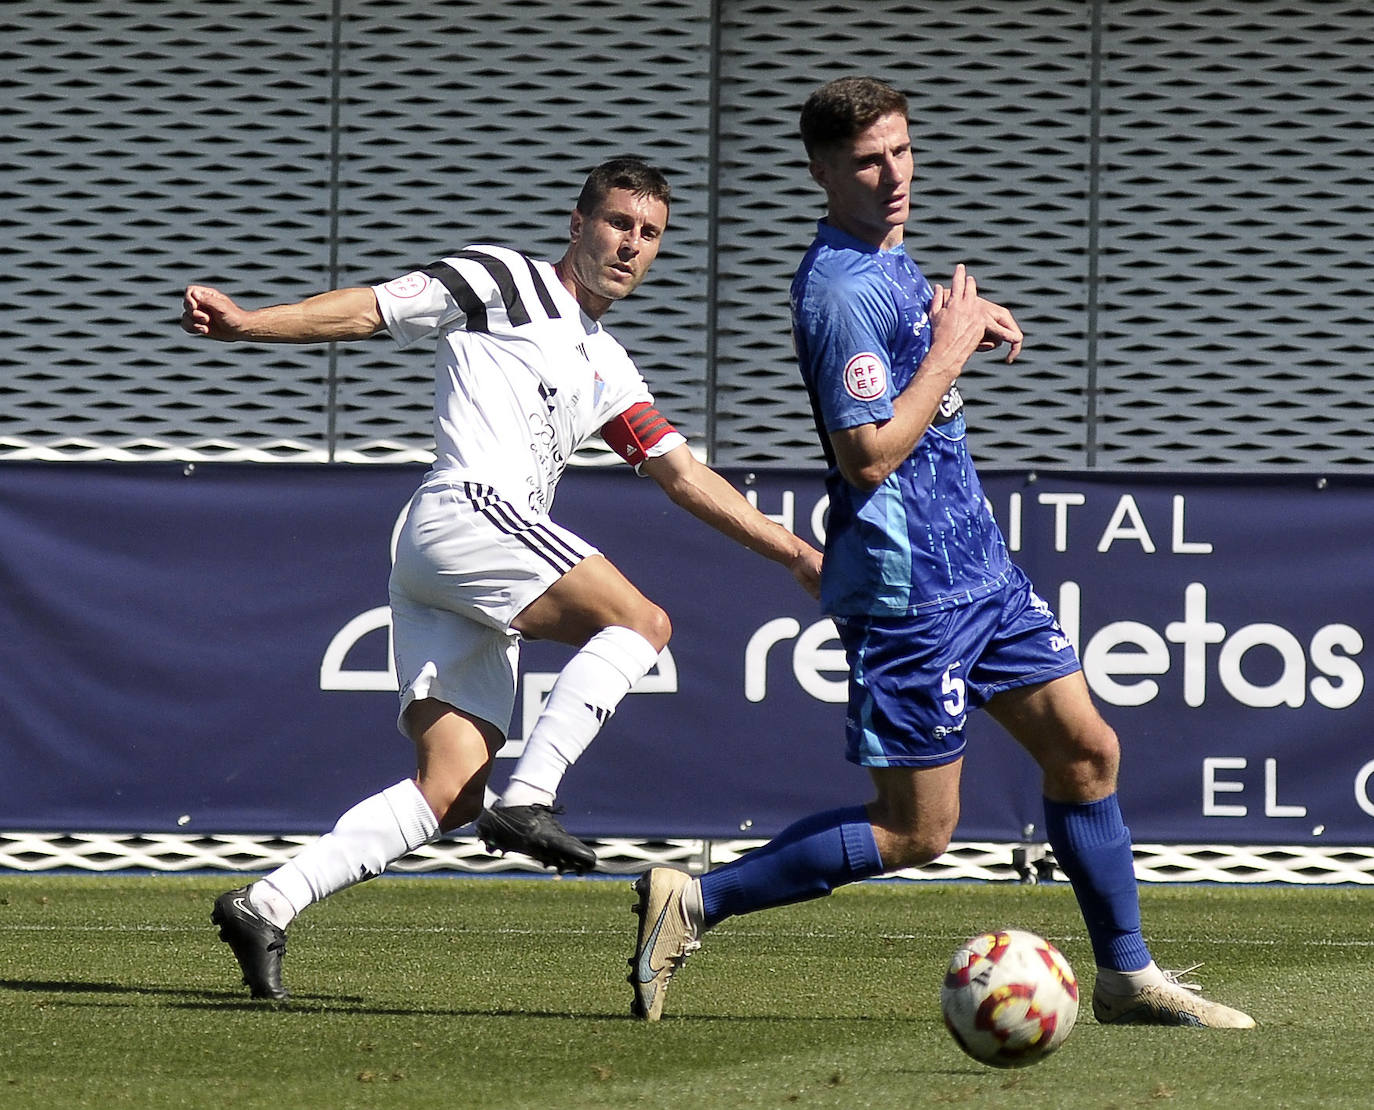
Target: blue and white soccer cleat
666	937
1171	1002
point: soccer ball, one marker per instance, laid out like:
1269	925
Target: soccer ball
1009	998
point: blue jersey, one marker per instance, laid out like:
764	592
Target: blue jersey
925	539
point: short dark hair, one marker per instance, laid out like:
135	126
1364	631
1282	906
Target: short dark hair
839	110
628	171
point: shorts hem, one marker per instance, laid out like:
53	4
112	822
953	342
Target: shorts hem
915	761
1039	678
428	685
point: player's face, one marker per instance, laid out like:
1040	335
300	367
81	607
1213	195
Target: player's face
867	181
611	248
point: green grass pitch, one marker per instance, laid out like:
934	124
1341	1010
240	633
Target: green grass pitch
510	993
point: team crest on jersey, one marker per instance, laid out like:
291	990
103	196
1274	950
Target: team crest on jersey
598	387
407	285
865	377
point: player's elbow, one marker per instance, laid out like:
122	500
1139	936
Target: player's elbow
862	459
682	490
866	476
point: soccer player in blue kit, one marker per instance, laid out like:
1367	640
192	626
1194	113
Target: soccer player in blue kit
935	618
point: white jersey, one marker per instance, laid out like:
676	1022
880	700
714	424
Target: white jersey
523	377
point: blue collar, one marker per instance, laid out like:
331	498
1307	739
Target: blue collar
832	236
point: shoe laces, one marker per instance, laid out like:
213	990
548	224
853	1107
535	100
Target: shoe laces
1176	978
691	941
675	962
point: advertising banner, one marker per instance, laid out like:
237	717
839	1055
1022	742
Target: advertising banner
205	649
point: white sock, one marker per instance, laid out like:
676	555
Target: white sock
693	907
271	903
1126	983
582	700
362	843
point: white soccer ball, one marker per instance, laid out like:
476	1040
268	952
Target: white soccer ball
1009	998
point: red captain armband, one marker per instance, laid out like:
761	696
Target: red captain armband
635	430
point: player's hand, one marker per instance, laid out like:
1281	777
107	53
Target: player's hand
806	569
1002	328
958	316
206	311
999	324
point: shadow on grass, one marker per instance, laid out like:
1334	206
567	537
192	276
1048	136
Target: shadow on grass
307	1004
192	999
232	998
189	999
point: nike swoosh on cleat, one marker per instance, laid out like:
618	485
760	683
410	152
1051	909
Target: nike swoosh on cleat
644	969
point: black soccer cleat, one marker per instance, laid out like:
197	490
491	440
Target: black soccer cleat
534	831
258	945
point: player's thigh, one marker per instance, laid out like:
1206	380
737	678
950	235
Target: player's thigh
1061	728
1013	641
915	811
907	704
465	549
591	596
450	658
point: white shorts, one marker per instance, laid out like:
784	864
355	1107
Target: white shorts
467	563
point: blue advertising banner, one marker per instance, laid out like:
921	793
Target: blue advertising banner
205	649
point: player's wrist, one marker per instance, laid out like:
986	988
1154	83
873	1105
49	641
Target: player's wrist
942	362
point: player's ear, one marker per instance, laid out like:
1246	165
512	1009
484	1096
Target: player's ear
575	226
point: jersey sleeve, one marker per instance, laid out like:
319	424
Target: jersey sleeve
842	323
415	306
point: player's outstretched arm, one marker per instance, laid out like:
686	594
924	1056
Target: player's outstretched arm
694	486
340	315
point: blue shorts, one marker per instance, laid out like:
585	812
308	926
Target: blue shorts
913	679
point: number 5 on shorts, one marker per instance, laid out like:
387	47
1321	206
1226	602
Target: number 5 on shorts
952	686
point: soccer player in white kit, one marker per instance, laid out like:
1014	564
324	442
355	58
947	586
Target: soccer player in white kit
524	375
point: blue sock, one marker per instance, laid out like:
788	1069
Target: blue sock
1093	847
806	860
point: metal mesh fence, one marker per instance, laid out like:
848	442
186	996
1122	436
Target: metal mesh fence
1171	196
965	860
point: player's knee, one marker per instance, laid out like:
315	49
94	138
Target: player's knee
917	850
927	850
1101	753
653	624
1086	766
912	846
